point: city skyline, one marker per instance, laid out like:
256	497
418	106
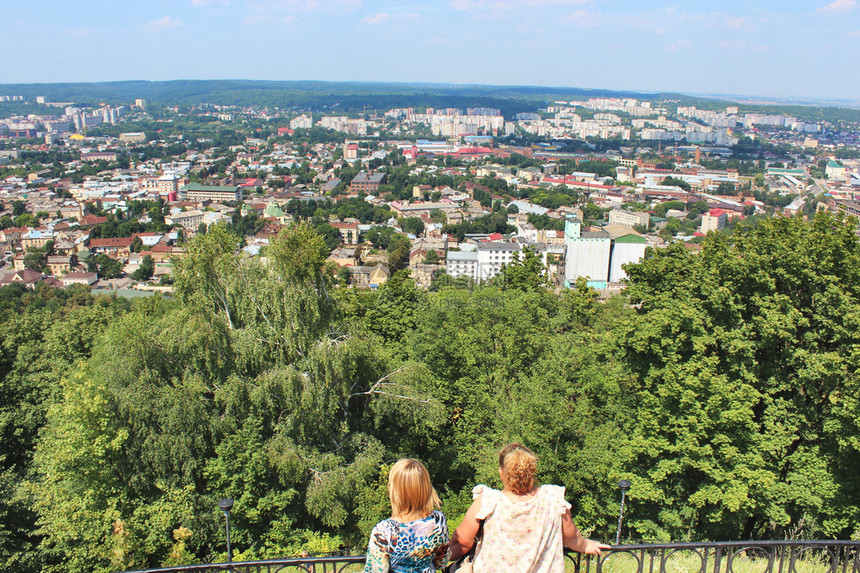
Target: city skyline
763	49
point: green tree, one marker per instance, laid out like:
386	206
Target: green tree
741	356
146	269
105	266
412	225
35	260
726	188
399	248
393	315
525	273
669	180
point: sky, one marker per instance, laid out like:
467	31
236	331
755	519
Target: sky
780	49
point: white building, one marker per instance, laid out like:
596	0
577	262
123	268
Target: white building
627	247
629	218
302	122
462	264
587	254
484	263
491	257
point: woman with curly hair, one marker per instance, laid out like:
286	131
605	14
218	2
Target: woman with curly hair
526	525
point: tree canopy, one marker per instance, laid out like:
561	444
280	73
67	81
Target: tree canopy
723	384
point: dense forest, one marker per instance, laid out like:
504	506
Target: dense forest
723	384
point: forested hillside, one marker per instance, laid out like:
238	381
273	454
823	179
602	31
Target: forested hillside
723	386
361	97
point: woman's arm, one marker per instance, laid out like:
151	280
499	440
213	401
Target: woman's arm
443	552
464	536
573	539
377	553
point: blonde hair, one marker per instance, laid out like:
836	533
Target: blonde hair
518	465
411	493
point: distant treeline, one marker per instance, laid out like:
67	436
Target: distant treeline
359	96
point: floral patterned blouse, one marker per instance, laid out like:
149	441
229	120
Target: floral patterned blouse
419	546
520	536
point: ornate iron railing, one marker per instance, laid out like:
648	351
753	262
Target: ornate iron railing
719	557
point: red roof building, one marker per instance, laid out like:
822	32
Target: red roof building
92	220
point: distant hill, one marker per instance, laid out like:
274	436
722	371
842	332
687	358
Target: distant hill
350	96
359	96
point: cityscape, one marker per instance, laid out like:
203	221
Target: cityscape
427	281
587	185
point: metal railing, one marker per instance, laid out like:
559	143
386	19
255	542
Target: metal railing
717	557
725	557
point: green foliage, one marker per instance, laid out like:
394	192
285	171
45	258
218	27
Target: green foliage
146	269
545	222
44	333
494	223
411	225
399	247
393	315
35	260
676	182
525	273
723	384
661	209
743	358
380	237
105	266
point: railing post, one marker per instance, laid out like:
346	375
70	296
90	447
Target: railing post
781	553
718	555
792	558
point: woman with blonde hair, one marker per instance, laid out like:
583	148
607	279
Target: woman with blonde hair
415	538
526	525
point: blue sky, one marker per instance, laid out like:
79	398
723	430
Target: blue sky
755	47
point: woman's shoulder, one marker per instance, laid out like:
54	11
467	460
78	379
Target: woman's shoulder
482	489
487	498
555	493
553	490
385	526
437	516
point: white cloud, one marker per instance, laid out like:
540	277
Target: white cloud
282	11
679	45
735	23
206	3
82	32
733	44
838	6
729	21
389	18
583	18
496	5
379	18
165	23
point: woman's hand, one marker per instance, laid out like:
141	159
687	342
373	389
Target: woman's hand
593	547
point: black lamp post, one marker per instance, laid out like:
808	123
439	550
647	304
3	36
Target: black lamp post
624	485
226	505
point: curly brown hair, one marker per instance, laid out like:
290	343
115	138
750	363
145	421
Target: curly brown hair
519	466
